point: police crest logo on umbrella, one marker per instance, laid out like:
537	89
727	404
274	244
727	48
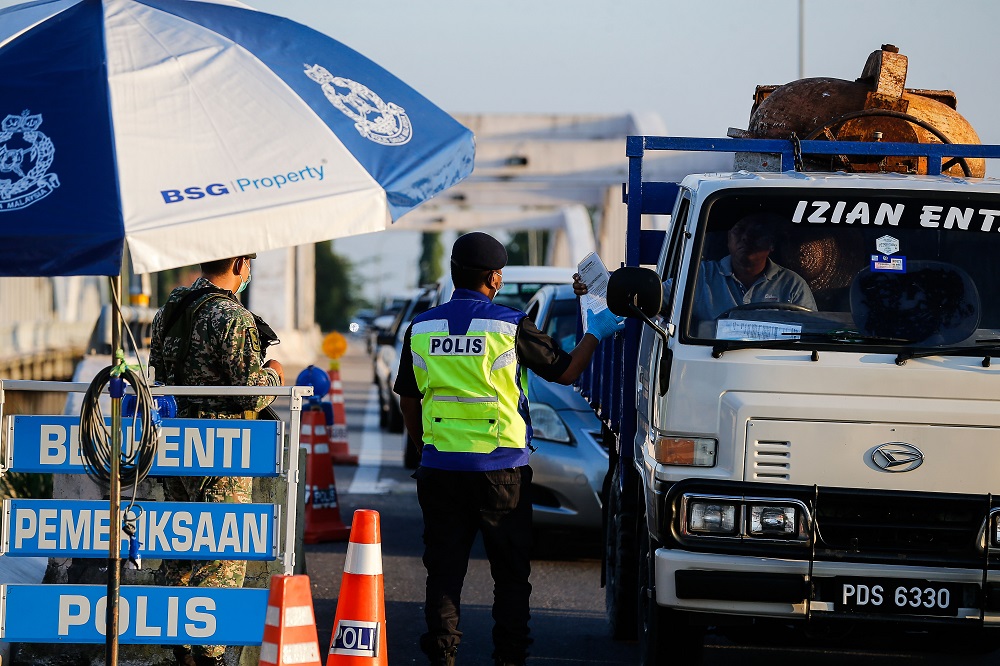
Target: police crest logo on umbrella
27	153
376	120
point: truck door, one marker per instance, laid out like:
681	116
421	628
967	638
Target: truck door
654	374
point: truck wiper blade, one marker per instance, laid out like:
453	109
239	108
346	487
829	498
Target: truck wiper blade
806	338
985	348
856	337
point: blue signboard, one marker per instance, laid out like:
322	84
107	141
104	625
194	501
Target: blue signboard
187	447
146	614
171	530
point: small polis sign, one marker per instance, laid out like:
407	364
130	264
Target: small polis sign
356	638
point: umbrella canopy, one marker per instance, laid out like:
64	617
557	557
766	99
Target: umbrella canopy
196	131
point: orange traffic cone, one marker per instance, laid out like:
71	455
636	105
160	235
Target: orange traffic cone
339	451
359	627
323	522
290	627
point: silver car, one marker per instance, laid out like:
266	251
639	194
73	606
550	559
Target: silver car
389	343
570	460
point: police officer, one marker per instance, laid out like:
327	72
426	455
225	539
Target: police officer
203	336
462	384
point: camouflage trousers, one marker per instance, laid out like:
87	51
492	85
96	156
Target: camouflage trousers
206	573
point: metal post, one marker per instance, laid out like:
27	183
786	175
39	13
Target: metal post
293	479
115	547
802	39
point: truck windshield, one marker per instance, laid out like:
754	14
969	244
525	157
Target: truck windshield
882	267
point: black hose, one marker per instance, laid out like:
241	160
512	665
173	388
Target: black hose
137	455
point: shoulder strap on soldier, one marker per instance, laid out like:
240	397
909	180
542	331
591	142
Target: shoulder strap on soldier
178	309
176	313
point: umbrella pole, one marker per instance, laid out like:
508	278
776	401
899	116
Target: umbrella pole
115	547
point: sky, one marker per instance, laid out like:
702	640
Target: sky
693	62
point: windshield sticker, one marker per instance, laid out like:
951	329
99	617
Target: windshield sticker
740	329
927	216
887	245
862	212
883	263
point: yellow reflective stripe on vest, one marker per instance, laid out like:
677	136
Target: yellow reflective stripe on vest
457	398
470	385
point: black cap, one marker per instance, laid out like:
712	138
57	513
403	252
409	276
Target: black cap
480	251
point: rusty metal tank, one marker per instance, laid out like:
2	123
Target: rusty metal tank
875	107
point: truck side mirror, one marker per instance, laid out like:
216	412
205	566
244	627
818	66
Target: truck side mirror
638	292
635	291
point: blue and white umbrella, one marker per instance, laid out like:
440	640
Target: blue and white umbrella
199	130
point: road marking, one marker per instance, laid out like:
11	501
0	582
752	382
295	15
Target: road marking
366	478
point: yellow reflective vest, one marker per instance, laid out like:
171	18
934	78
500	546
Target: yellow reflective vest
475	395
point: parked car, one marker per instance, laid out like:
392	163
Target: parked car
389	343
361	322
519	283
385	318
570	459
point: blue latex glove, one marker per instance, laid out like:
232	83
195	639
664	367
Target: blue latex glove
603	324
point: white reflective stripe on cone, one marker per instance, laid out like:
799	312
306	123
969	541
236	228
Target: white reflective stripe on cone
299	616
364	559
269	653
273	615
300	653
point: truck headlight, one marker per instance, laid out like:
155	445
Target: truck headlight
547	424
776	521
689	451
711	517
989	533
759	518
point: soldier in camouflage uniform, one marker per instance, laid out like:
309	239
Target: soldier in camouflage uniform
203	336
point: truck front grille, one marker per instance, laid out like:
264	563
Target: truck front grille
873	525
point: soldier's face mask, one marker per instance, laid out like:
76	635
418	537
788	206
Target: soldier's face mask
243	285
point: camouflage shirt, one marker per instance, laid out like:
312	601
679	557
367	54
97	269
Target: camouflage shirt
224	350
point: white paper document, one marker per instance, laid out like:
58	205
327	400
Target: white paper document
741	329
595	275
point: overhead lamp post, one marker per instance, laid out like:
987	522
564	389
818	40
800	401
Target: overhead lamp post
802	39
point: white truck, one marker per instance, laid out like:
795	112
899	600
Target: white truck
827	465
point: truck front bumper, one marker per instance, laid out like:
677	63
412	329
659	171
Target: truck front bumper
781	588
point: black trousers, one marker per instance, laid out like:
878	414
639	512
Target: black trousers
457	505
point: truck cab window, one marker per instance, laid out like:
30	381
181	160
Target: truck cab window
783	266
670	260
